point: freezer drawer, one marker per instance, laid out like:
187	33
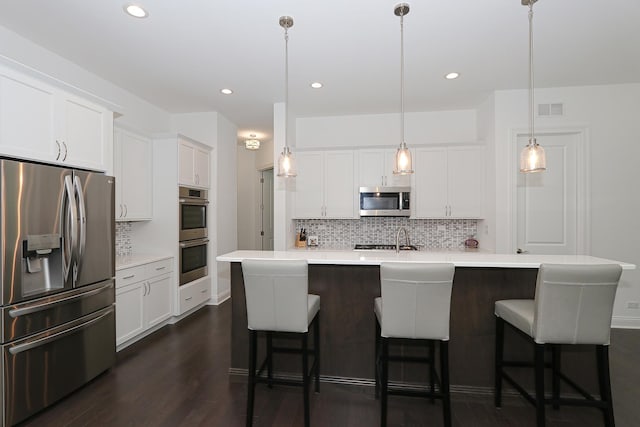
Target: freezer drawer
41	369
21	320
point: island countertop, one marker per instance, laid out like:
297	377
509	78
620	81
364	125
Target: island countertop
460	258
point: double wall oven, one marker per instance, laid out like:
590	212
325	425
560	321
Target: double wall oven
193	234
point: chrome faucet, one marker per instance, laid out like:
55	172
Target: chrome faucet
406	238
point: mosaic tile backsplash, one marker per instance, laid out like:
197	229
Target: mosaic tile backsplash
430	233
123	239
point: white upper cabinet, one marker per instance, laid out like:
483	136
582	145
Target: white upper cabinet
449	182
41	122
325	185
193	164
133	167
376	169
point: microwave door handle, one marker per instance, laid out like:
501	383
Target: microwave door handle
82	211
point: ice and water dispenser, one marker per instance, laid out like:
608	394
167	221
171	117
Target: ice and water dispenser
42	269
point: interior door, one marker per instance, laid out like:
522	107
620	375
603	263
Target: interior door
266	207
547	215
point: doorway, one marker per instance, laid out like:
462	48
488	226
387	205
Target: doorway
266	209
551	215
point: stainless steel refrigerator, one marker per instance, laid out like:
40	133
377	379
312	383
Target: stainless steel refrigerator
57	234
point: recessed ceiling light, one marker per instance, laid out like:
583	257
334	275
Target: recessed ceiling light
226	91
135	10
452	76
316	85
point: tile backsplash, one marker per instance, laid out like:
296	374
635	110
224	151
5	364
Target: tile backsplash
430	233
123	239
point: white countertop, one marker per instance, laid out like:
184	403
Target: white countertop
129	261
460	258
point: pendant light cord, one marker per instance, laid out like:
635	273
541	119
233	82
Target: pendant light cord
402	78
286	88
531	100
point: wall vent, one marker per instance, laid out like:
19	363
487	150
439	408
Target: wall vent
551	110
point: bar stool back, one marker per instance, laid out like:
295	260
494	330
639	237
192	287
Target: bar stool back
278	302
415	304
573	305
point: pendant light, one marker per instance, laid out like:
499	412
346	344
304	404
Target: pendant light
532	158
253	143
286	162
403	155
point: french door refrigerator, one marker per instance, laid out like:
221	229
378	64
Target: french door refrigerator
57	329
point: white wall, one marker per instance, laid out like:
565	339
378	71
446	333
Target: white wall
421	128
610	115
248	197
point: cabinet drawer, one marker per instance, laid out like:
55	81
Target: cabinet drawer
159	267
130	275
194	294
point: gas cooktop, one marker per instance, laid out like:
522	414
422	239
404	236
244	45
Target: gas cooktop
380	247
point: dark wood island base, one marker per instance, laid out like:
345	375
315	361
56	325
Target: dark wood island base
347	324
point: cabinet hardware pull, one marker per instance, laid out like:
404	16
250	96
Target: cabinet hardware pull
129	277
126	210
160	268
204	291
65	151
120	211
58	144
188	298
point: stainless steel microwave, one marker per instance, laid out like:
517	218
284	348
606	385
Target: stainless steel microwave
385	201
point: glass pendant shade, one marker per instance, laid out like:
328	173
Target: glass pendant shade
286	164
403	164
532	158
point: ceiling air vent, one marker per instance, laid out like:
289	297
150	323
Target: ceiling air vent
551	110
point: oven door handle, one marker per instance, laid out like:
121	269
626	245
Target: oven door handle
193	243
193	202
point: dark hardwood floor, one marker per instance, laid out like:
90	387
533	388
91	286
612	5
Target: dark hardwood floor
179	377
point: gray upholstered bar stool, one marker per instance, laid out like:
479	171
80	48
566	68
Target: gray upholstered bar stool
415	304
573	305
278	302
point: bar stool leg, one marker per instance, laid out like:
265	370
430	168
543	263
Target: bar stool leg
305	377
384	378
498	361
432	367
604	380
316	349
444	374
270	359
251	383
539	374
377	358
556	351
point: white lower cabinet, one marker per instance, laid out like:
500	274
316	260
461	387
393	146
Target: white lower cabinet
193	294
143	298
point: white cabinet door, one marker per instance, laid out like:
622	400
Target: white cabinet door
133	166
186	166
201	166
466	182
371	168
309	197
449	182
157	302
430	191
27	118
339	184
193	165
129	311
85	131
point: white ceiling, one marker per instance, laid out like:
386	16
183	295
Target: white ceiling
187	50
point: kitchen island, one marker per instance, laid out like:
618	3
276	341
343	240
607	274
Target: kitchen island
348	281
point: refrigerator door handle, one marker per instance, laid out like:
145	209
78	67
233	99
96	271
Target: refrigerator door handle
82	211
81	294
54	337
70	232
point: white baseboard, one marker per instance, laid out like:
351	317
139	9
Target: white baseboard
620	322
220	298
